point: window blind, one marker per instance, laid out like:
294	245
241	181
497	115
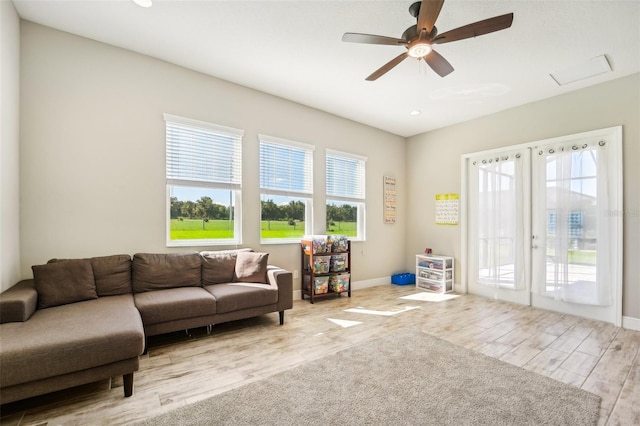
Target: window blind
286	167
345	176
201	153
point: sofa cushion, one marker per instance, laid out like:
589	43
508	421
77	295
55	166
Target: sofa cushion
165	270
174	304
219	266
236	296
64	282
251	267
69	338
112	274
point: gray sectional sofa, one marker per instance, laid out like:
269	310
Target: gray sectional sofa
83	320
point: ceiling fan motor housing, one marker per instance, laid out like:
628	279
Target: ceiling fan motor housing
412	32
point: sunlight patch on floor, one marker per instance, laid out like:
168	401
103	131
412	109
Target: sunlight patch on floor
430	297
344	323
382	313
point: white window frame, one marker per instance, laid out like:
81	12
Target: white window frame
234	185
358	198
306	193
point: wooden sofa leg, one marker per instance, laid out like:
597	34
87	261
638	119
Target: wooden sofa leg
128	384
281	317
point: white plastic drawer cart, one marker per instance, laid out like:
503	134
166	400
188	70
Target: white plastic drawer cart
434	273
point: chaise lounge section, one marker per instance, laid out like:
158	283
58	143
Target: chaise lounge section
74	323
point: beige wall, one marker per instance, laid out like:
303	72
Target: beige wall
93	153
92	160
9	145
433	163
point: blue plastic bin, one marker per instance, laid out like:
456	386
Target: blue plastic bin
403	279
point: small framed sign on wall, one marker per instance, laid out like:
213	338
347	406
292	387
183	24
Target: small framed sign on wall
389	199
447	209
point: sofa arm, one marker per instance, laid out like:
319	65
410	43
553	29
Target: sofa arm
282	279
18	303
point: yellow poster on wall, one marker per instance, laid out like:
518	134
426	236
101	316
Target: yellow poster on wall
447	209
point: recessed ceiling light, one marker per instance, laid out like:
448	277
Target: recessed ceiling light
590	68
143	3
415	112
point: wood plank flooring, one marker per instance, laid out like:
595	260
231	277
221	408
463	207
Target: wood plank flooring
181	369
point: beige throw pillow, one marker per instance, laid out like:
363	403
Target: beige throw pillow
219	266
251	267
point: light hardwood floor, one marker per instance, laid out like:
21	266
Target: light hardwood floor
181	369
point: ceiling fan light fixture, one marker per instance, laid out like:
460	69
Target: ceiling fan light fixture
420	50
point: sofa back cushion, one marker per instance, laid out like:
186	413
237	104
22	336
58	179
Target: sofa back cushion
251	267
219	266
112	274
60	283
157	271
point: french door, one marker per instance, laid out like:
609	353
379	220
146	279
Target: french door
499	201
544	226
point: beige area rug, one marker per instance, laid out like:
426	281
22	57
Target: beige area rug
408	378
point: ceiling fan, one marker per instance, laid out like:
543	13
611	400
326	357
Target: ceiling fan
419	38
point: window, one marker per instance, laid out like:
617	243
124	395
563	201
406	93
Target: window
204	175
345	179
286	190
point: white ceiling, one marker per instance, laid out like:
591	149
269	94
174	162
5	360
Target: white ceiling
293	49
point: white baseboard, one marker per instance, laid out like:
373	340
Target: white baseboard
356	285
359	285
631	323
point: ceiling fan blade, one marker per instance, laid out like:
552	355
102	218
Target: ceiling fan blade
429	11
372	39
438	63
479	28
387	67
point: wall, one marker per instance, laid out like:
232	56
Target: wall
9	145
93	153
433	163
